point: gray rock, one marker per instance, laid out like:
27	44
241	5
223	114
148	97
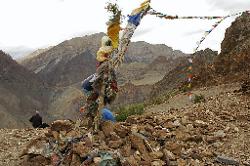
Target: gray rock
246	163
227	160
220	134
173	163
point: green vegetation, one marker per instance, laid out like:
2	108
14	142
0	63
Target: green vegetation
124	112
184	88
199	98
162	98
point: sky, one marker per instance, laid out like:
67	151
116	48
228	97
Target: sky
27	25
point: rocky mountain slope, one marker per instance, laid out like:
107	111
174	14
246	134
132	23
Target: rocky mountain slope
144	52
73	60
21	92
64	66
177	77
58	65
212	133
32	55
234	60
131	94
231	65
55	88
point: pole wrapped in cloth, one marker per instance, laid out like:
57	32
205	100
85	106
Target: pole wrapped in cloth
133	21
105	83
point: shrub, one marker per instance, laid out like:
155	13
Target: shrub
199	98
124	112
158	100
184	88
162	98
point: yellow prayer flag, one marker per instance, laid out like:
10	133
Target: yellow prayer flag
143	6
113	33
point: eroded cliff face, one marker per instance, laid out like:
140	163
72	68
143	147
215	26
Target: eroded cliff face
177	77
231	65
235	49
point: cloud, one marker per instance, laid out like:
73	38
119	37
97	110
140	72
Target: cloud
79	34
193	32
230	5
142	32
17	52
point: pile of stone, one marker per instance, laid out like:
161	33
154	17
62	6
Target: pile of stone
212	133
66	143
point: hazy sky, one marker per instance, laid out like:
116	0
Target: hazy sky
32	24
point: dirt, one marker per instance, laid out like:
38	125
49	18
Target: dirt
214	132
12	143
181	100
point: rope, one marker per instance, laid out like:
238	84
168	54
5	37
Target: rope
171	17
190	59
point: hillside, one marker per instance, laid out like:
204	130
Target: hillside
212	133
64	66
144	52
53	83
177	77
131	94
32	55
234	60
231	65
72	60
211	129
21	92
60	64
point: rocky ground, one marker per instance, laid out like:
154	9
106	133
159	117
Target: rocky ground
13	141
214	132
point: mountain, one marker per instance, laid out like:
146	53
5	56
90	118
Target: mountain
215	132
131	94
33	54
64	66
17	52
178	76
231	65
234	60
21	92
72	60
63	51
144	52
211	130
67	63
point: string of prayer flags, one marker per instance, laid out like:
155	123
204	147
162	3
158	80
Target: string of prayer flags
208	32
189	77
170	17
134	20
136	14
